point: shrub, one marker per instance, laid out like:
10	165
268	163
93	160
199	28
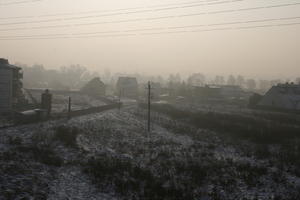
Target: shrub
43	154
67	135
15	140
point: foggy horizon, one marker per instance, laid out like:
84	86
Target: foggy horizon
150	99
260	52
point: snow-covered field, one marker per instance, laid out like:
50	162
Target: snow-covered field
110	155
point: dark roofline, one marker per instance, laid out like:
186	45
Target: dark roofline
5	64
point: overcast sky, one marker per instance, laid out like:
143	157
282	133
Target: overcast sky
107	34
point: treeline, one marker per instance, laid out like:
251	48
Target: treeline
64	78
75	76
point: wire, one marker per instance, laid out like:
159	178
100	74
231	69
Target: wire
92	34
111	10
153	18
120	13
19	2
223	29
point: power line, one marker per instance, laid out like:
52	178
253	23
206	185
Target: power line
158	33
19	2
154	18
158	28
223	29
110	10
120	13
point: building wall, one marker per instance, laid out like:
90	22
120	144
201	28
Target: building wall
128	87
282	97
6	99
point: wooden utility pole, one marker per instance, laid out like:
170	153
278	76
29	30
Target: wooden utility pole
69	108
120	94
149	105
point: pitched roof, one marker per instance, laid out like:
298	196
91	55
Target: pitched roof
127	81
285	96
95	82
5	64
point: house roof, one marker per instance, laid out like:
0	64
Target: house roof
95	82
285	96
5	64
127	81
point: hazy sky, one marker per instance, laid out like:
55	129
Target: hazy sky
103	34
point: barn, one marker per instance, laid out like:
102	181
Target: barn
127	87
282	97
10	86
94	88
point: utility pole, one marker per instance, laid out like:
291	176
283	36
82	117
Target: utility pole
149	105
69	108
120	94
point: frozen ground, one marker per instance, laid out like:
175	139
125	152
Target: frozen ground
113	157
79	101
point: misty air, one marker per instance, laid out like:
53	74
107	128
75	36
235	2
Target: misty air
149	100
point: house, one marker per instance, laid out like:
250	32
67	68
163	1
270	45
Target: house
127	87
207	92
282	97
232	91
11	93
156	90
217	92
94	88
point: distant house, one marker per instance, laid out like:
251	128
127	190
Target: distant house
127	87
218	92
232	91
207	92
282	97
94	88
11	93
156	90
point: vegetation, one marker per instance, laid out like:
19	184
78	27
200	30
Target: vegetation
258	129
67	135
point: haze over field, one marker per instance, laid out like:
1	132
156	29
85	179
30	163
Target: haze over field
111	34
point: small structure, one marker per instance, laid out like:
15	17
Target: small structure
94	88
156	90
207	92
282	97
232	91
11	94
30	116
46	102
127	87
218	92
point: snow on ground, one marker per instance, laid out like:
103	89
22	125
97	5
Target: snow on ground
73	184
178	156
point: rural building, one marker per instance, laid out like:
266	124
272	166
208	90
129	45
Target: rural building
282	97
11	93
218	92
94	88
232	91
127	87
207	92
156	90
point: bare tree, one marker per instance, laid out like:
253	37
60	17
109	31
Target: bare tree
251	84
197	79
219	80
231	80
240	80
